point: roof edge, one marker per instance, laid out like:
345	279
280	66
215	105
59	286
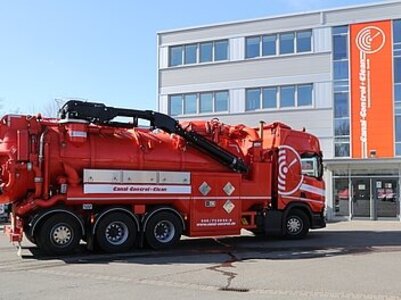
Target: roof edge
273	17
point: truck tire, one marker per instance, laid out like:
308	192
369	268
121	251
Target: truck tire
296	224
116	232
29	237
163	230
59	234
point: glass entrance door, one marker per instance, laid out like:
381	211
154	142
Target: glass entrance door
361	197
385	197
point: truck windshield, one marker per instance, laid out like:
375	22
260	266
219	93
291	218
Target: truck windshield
312	166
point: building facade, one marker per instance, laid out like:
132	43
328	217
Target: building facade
336	73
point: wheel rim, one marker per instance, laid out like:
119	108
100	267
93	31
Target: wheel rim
294	225
61	235
116	233
164	231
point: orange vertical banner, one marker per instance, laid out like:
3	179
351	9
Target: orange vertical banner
372	112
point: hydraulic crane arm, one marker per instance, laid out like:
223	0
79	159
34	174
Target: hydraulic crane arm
100	114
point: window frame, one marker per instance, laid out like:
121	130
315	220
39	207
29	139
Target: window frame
278	89
277	43
198	103
341	86
198	53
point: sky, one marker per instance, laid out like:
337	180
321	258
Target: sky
102	50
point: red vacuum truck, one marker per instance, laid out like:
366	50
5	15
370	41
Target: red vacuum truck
95	174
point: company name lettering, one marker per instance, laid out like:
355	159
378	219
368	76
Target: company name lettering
139	189
363	97
364	94
136	189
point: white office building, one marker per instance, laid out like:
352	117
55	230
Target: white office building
303	70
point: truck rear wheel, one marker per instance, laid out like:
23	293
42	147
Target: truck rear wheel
116	232
59	234
163	230
296	224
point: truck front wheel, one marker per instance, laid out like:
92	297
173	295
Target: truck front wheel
163	230
296	224
59	234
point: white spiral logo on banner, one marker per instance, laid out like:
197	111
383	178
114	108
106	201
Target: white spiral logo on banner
370	39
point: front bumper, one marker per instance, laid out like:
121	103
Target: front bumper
318	221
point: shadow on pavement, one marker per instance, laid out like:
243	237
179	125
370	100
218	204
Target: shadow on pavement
233	249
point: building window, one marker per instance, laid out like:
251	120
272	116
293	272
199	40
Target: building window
341	196
397	69
340	47
175	56
340	70
206	103
190	54
398	134
286	43
190	103
198	103
304	41
252	47
341	107
269	45
341	92
206	52
252	101
175	105
397	31
221	101
341	127
341	147
198	53
397	84
286	96
221	50
305	94
269	98
397	92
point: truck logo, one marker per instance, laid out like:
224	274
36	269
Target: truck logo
290	176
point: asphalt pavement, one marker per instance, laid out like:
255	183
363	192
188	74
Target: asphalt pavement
346	260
